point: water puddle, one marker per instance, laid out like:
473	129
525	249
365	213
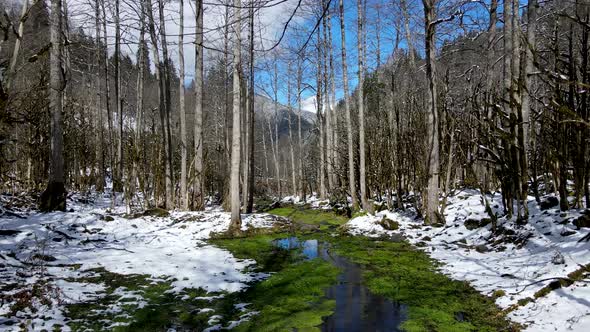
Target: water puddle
357	309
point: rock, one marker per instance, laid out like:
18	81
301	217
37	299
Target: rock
567	232
427	238
307	227
389	224
472	224
46	258
8	232
396	237
548	203
155	212
481	248
109	218
558	259
582	221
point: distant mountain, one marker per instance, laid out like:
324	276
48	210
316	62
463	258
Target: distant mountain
264	108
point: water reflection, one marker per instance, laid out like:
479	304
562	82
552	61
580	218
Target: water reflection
357	309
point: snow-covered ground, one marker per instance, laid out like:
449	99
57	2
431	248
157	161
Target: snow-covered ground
313	200
514	262
53	249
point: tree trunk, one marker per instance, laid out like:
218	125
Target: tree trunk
198	190
236	222
351	172
167	109
181	104
251	175
321	118
334	125
361	108
431	204
135	179
54	197
291	144
329	150
300	139
100	179
409	41
118	173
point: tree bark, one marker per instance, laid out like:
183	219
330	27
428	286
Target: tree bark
167	109
54	196
291	144
135	179
361	107
252	96
198	190
433	158
236	222
182	106
351	171
118	173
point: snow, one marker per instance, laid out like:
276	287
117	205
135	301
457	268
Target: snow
313	200
513	262
65	246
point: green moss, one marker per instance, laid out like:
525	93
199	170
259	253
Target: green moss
525	301
498	293
292	298
359	213
308	216
401	273
260	248
164	309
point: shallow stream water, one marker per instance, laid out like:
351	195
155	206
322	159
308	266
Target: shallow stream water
357	309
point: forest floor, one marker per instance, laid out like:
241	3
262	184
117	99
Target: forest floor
538	273
99	268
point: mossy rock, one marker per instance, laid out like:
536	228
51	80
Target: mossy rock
388	224
498	293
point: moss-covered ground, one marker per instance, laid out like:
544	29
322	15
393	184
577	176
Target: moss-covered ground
402	273
292	298
138	303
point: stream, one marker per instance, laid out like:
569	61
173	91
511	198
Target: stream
357	309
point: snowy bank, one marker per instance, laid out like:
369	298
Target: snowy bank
517	265
53	250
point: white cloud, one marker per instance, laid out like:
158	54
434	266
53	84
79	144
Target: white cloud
270	22
309	104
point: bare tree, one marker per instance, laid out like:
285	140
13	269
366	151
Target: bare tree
183	137
351	172
251	96
361	107
236	221
433	155
198	191
54	196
